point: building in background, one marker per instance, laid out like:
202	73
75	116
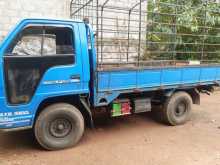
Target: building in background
11	11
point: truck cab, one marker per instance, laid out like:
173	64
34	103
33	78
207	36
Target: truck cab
41	60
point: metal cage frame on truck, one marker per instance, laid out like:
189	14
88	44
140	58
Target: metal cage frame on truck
124	34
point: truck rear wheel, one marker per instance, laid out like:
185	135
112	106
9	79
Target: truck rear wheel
177	109
59	126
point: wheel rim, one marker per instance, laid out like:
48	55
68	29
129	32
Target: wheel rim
60	128
181	109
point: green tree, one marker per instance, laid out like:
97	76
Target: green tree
183	30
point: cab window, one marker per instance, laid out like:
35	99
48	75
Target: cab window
43	41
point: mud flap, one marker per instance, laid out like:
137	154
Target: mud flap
87	108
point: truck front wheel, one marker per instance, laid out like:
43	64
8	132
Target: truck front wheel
59	126
177	109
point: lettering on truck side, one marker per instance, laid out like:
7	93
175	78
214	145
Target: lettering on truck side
8	118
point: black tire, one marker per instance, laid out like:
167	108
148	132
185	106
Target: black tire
59	126
177	109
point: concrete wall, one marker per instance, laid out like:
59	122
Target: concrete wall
113	40
11	11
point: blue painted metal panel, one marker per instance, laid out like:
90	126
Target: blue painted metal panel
170	76
217	74
146	78
208	74
190	75
153	79
119	80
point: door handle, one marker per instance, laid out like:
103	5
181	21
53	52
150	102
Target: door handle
75	78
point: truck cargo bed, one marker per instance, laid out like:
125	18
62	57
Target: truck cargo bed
148	77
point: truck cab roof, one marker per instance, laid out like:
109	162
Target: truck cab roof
48	21
51	19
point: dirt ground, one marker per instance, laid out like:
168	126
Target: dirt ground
133	140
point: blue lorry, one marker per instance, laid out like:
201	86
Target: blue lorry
54	92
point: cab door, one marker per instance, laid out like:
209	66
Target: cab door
41	59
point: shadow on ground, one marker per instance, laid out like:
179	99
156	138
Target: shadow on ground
24	140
